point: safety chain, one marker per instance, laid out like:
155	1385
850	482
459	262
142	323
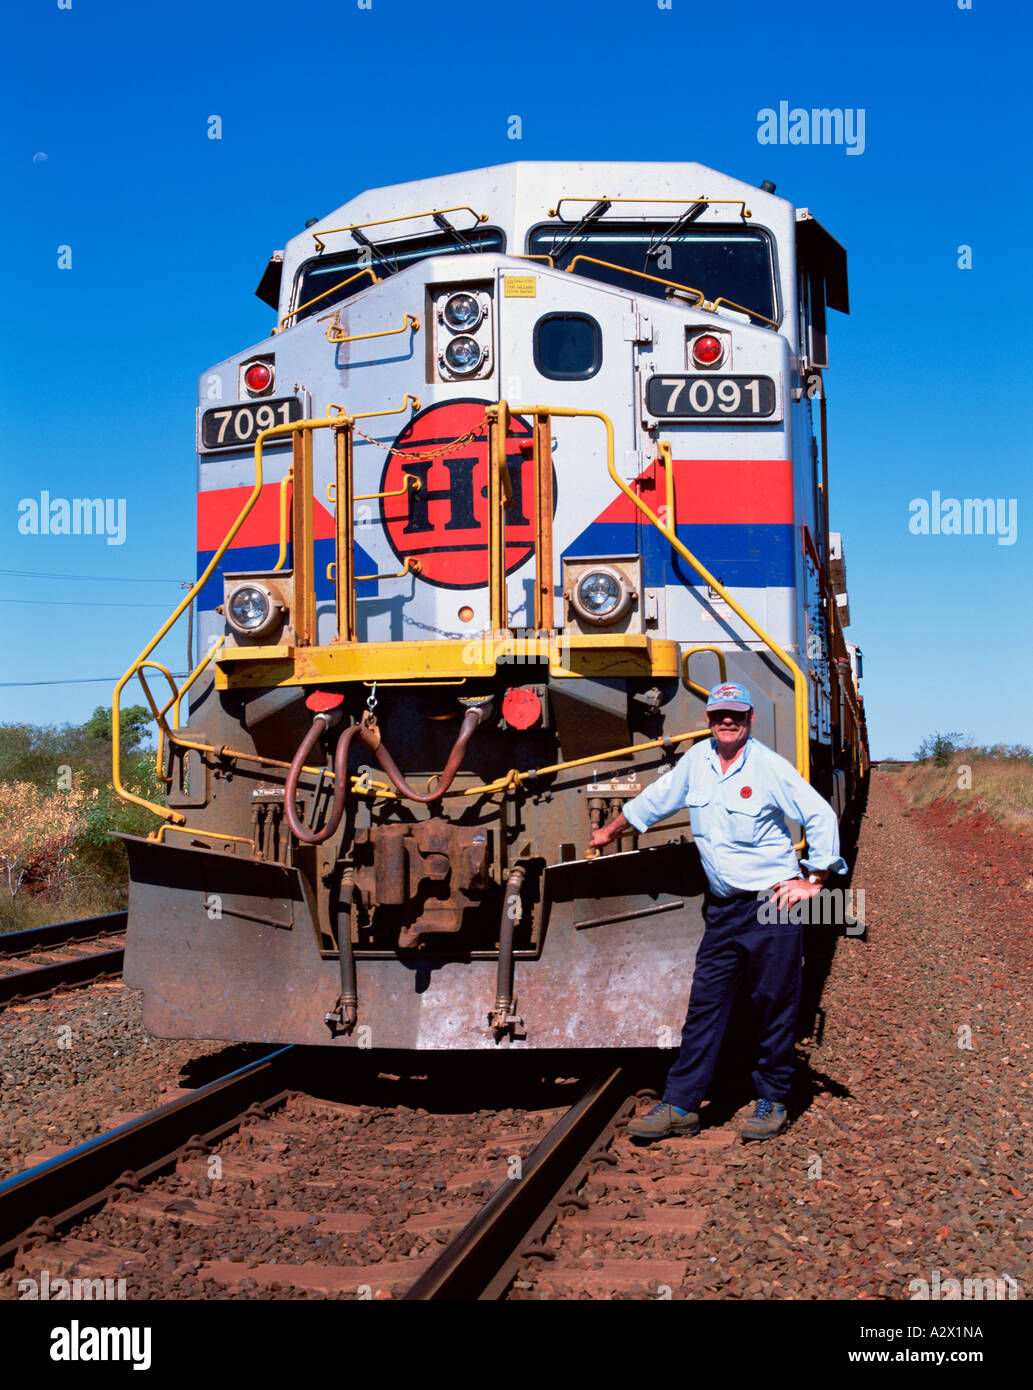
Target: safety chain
456	636
433	453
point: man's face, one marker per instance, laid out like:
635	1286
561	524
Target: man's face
730	728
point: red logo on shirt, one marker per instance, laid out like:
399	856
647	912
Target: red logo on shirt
746	791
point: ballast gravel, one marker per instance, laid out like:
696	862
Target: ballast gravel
72	1064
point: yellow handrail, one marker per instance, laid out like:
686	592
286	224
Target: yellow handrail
285	482
173	703
742	307
386	221
412	566
332	290
411	480
674	284
657	279
409	402
680	202
514	776
691	651
334	335
803	759
142	660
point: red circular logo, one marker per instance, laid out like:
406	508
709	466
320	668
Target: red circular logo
444	522
746	791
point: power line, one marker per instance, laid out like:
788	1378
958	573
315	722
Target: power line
86	680
73	603
105	578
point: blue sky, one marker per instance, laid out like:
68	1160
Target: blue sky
169	232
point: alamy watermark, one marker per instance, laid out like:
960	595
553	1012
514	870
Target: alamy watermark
980	1286
965	516
829	907
822	125
48	1289
76	516
518	647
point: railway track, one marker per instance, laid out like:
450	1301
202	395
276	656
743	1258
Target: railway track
404	1228
64	955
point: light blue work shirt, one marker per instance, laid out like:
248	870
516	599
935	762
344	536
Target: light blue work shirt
738	817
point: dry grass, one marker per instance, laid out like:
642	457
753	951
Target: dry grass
89	900
1000	787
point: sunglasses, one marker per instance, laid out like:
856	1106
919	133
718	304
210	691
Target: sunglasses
736	715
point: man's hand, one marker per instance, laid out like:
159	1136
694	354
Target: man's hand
607	833
794	890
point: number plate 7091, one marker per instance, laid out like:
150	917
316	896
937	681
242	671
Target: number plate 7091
238	426
715	397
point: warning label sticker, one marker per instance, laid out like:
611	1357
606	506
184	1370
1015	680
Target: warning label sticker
520	286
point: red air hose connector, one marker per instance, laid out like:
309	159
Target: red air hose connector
328	712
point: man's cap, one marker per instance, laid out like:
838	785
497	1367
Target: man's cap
729	696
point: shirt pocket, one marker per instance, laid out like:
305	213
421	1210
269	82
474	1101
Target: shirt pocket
697	803
744	824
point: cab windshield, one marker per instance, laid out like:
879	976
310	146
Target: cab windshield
317	277
723	262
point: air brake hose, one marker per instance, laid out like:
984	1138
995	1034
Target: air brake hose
320	725
471	720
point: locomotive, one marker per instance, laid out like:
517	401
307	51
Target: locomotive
532	457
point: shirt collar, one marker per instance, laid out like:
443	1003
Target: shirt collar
715	761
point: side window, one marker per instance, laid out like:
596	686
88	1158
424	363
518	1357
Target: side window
568	347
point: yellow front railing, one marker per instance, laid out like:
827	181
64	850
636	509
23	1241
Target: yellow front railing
300	482
801	705
299	478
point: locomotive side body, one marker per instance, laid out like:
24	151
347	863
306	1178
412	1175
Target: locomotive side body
519	474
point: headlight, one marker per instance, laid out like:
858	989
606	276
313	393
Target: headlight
602	596
251	611
462	312
599	593
463	355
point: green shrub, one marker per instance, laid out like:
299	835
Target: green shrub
940	748
53	870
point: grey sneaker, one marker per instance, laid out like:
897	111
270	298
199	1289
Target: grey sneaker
768	1119
662	1122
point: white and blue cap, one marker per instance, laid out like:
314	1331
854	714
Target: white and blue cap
729	696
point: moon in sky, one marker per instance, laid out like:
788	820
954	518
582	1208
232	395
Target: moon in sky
40	158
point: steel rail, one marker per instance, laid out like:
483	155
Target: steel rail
484	1258
39	1200
16	943
43	979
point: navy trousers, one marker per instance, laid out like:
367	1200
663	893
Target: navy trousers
735	948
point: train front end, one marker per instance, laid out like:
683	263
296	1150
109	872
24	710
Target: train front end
517	476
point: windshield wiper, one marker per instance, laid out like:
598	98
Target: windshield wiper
385	260
658	240
592	215
446	226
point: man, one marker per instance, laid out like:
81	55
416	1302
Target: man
738	795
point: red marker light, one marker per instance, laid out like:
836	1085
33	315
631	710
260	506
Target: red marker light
258	377
707	350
